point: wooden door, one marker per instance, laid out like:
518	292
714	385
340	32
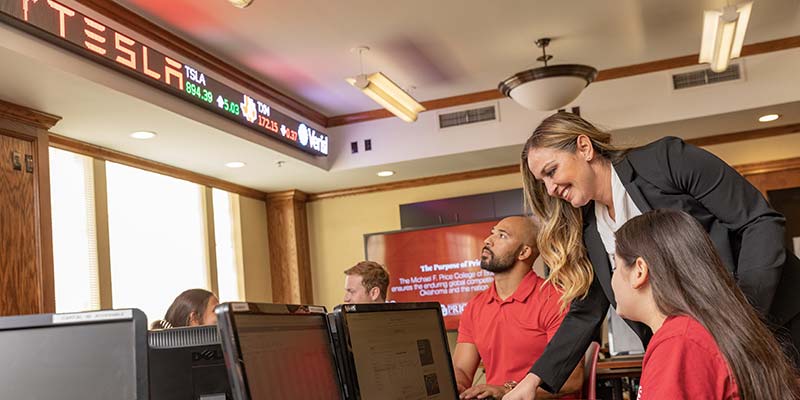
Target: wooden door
19	264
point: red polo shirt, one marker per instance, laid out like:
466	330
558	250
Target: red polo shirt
683	361
511	334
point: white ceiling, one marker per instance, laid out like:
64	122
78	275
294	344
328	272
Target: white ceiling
445	47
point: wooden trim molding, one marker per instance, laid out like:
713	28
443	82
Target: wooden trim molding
27	116
102	236
745	135
769	166
604	75
293	194
431	180
169	40
102	153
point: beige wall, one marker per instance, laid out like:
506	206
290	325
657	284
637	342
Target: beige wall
252	219
336	227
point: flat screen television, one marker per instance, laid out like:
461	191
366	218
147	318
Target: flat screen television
440	264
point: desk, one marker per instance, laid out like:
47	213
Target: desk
616	375
620	362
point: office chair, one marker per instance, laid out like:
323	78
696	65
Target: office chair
589	390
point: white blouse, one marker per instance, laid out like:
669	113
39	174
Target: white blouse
624	209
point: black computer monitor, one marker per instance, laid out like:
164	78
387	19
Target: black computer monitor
276	351
78	356
187	364
393	351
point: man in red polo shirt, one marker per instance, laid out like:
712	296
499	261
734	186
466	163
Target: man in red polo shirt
508	325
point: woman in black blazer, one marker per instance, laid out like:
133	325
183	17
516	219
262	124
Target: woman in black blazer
582	188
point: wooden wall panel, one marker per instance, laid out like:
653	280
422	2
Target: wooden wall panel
19	281
26	258
290	260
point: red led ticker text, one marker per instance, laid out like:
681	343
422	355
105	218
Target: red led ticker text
108	43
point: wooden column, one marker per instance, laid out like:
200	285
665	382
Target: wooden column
26	261
290	262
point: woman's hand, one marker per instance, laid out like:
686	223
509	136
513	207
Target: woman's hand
525	390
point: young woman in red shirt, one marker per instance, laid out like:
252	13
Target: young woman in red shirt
708	342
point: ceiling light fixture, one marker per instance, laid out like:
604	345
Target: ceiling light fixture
549	87
384	174
240	3
768	117
235	164
143	135
383	91
723	35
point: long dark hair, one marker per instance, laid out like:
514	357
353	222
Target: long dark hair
688	278
190	301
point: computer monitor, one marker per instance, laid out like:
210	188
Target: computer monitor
78	356
622	340
187	364
276	351
393	351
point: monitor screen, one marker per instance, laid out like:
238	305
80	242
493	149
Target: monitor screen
401	354
434	264
55	359
287	356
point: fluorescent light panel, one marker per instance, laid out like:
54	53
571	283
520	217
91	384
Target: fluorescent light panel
723	35
386	93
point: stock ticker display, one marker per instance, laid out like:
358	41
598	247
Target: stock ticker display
70	29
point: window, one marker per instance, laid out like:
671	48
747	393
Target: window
156	238
74	240
229	269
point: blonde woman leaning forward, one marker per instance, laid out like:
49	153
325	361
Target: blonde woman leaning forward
584	189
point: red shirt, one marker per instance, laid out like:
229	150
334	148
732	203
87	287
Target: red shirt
511	334
683	361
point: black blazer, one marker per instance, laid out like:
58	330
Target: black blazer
747	233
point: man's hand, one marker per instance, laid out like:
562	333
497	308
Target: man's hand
483	391
525	390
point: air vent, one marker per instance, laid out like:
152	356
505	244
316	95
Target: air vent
183	337
705	77
465	117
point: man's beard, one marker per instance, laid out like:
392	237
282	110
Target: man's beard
500	264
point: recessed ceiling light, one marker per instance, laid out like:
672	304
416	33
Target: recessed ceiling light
768	117
143	135
385	173
235	164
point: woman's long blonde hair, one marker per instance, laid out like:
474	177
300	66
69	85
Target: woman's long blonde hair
560	238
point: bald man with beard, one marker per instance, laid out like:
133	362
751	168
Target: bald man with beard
509	324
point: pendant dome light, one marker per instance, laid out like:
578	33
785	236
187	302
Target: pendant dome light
550	87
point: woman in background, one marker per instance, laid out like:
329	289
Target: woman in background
193	307
708	342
